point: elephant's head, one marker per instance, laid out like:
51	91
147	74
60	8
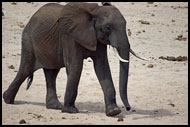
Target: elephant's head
90	24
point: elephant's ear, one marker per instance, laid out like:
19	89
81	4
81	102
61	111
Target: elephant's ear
78	22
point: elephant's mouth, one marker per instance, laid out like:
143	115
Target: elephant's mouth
118	56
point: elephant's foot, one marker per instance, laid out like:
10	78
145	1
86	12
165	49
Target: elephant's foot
53	104
8	97
112	110
70	109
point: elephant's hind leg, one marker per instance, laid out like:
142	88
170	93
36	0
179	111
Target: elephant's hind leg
52	101
25	70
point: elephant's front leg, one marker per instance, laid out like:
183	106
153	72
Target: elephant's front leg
103	73
73	76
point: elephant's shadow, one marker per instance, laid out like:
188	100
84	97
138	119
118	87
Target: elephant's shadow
92	107
153	113
98	107
84	107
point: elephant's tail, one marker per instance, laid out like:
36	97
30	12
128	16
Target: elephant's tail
29	81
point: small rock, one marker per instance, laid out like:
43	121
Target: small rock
150	66
129	32
120	119
152	14
138	32
13	3
22	121
2	13
171	104
181	38
150	2
3	56
180	58
171	58
133	110
37	115
173	20
144	22
11	67
22	25
161	57
63	117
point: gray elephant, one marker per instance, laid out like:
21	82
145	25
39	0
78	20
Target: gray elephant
63	36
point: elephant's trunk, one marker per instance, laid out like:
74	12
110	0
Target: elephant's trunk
121	43
123	77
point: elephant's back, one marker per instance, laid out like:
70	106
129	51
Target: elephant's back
45	17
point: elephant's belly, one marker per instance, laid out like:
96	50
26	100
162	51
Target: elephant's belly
49	61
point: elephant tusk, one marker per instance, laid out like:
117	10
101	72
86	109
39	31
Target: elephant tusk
117	55
138	56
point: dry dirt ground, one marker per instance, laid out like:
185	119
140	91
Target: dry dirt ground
158	93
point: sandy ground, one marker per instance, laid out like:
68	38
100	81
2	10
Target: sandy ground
158	94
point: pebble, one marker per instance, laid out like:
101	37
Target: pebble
129	32
150	66
181	38
172	58
13	3
171	104
133	110
11	67
63	117
144	22
22	121
173	20
120	119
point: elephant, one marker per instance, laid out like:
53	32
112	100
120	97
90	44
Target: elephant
58	36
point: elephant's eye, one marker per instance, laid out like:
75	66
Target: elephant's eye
106	29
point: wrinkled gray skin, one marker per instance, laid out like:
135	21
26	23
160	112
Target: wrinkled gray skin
63	36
